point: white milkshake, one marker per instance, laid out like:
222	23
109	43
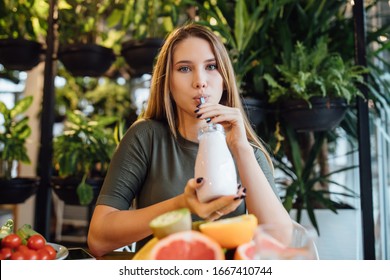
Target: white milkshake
215	164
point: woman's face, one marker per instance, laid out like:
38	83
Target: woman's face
194	75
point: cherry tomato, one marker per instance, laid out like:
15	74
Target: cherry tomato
43	254
30	254
22	248
6	252
2	257
17	255
36	242
11	241
52	252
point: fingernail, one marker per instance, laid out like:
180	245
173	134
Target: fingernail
237	198
244	190
196	111
239	187
199	180
242	196
208	120
198	116
198	105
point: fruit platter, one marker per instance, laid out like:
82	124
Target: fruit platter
177	237
27	244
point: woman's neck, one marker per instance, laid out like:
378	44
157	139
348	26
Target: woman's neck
188	128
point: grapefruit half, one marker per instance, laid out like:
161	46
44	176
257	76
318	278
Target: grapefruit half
245	251
187	245
231	232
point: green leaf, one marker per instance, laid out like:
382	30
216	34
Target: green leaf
21	106
85	193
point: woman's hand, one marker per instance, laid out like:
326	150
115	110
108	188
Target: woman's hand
231	119
214	209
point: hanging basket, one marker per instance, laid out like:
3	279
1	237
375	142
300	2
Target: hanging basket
325	114
86	59
255	110
20	54
140	55
66	188
17	190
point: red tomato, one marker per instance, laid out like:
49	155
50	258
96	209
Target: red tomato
2	257
22	248
11	241
36	242
17	255
43	254
52	252
30	255
6	252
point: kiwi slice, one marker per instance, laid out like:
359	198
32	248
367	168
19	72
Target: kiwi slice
171	222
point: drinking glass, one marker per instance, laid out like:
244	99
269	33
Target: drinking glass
284	242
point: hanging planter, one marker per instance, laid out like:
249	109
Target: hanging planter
86	59
17	190
20	54
324	114
140	54
66	188
255	110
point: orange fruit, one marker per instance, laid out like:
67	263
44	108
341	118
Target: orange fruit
187	245
245	251
231	232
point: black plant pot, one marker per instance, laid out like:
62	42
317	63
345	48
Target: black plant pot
140	55
17	190
20	54
255	110
325	114
66	188
86	59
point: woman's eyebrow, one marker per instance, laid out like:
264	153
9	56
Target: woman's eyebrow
190	62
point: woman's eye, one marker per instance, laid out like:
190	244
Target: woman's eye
212	67
184	69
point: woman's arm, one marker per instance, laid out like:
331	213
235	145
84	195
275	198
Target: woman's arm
111	228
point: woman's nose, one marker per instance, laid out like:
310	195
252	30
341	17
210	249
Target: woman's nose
199	84
199	80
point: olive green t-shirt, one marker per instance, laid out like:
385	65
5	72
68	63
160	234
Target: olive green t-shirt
150	165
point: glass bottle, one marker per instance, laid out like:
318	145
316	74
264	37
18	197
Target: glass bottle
215	164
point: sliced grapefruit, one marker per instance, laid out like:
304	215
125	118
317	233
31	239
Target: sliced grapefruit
231	232
187	245
171	222
144	252
245	251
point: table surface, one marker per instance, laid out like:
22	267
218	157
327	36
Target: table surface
117	256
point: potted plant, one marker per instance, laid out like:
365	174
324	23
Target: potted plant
87	37
22	27
147	22
14	133
81	157
314	87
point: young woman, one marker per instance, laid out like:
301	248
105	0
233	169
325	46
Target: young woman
154	163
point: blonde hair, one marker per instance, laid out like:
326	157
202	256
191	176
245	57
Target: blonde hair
160	104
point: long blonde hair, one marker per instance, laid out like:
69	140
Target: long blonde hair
160	104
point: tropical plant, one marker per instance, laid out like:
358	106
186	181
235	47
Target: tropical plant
151	19
90	21
85	146
305	183
14	133
315	72
23	19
